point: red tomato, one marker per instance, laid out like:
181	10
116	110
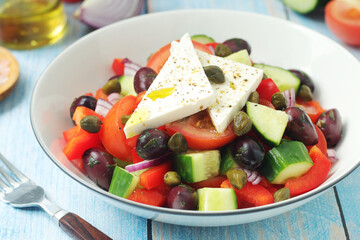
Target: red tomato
312	108
266	89
343	19
200	132
266	103
112	134
214	182
148	196
154	176
158	59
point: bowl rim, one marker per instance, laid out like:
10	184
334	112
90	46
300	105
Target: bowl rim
171	211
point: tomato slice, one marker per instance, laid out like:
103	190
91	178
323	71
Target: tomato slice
343	19
200	132
158	59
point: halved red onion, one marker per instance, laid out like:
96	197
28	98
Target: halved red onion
331	155
114	97
102	107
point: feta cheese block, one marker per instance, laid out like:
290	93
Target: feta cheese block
231	96
180	89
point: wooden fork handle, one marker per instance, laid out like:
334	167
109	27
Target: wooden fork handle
78	228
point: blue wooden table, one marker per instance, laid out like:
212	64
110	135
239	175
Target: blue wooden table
334	215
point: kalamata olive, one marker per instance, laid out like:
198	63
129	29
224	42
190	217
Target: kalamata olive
177	143
300	127
278	100
172	178
237	44
242	123
304	78
99	166
305	93
143	79
254	97
85	100
237	177
182	197
152	143
222	50
281	194
331	125
91	124
112	86
214	74
248	152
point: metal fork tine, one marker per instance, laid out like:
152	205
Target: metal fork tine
14	170
4	186
8	178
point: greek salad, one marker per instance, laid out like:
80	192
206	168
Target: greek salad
202	127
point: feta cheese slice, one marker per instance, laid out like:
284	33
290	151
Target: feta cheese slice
180	89
231	96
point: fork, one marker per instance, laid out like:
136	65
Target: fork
19	191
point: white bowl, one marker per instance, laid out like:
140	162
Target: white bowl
85	65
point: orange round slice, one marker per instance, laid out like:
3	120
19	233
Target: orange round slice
9	72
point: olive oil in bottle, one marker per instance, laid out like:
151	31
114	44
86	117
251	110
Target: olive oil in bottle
27	24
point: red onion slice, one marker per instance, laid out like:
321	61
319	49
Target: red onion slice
292	97
114	97
102	107
253	176
331	155
287	97
130	68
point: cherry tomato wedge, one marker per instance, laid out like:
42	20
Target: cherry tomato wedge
200	132
158	59
343	19
266	89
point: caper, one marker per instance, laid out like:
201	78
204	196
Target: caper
91	124
125	118
214	74
305	93
112	86
278	100
237	177
254	97
172	178
222	50
242	123
264	76
281	194
177	143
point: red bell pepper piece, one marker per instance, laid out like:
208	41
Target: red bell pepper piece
70	133
139	97
148	196
267	88
312	178
118	66
154	176
312	108
272	188
214	182
131	142
212	46
322	144
255	195
79	143
81	112
135	156
100	94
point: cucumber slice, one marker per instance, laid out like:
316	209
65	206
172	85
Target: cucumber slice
227	160
304	6
284	79
202	38
241	56
196	166
127	85
287	161
216	199
123	183
270	123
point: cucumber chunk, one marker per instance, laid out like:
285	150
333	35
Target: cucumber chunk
241	56
284	79
287	161
123	183
227	160
202	38
304	6
127	85
270	123
216	199
196	166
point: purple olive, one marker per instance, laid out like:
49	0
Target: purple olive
300	127
152	143
84	100
304	78
330	124
248	152
182	197
143	79
99	166
237	44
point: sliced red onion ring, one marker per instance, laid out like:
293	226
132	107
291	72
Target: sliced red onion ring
114	97
253	176
102	107
331	155
287	97
130	68
146	163
292	97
